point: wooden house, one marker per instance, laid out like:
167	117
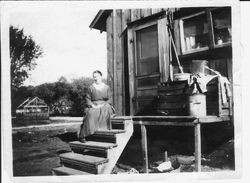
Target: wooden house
140	53
146	49
33	109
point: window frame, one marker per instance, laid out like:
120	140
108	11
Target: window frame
211	40
144	76
182	37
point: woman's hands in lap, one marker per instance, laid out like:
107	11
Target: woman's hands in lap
96	106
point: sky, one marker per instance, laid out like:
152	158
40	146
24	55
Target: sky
71	48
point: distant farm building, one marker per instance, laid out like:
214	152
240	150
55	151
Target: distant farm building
33	108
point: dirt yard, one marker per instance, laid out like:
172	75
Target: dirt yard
36	150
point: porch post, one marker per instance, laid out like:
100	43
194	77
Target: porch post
144	148
197	138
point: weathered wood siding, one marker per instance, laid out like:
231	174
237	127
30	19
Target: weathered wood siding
118	60
131	69
163	42
115	26
110	63
114	56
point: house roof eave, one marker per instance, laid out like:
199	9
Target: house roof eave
99	22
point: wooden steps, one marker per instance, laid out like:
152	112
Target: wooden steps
92	145
105	135
86	163
109	132
84	159
69	171
118	124
99	154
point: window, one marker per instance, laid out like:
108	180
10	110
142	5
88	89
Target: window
147	51
194	32
222	25
205	30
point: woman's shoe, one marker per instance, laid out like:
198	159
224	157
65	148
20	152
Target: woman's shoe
83	140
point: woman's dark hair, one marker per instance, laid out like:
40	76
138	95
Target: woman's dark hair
97	71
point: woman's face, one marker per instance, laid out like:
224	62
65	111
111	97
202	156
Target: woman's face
97	78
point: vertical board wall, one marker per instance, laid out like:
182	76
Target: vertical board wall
116	25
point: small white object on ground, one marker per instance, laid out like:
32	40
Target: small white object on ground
133	170
165	166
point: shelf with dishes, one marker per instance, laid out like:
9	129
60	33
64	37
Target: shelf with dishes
205	30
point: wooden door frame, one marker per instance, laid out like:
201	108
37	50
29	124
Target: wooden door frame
163	48
137	28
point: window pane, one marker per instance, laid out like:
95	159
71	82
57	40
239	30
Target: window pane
149	66
222	25
195	32
147	51
149	42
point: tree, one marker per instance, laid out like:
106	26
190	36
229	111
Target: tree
61	88
23	54
77	95
46	92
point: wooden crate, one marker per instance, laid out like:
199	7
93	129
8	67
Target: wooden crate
173	105
214	100
172	99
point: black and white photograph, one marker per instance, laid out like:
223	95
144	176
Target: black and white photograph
121	91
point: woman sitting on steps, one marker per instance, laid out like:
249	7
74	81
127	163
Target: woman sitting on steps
99	109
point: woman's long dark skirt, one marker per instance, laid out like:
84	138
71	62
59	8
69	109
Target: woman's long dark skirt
96	119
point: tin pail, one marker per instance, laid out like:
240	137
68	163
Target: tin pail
198	66
197	105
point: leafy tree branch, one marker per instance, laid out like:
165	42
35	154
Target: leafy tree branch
23	54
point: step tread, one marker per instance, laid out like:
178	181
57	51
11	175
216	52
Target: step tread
109	132
119	121
122	118
94	144
70	171
83	158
